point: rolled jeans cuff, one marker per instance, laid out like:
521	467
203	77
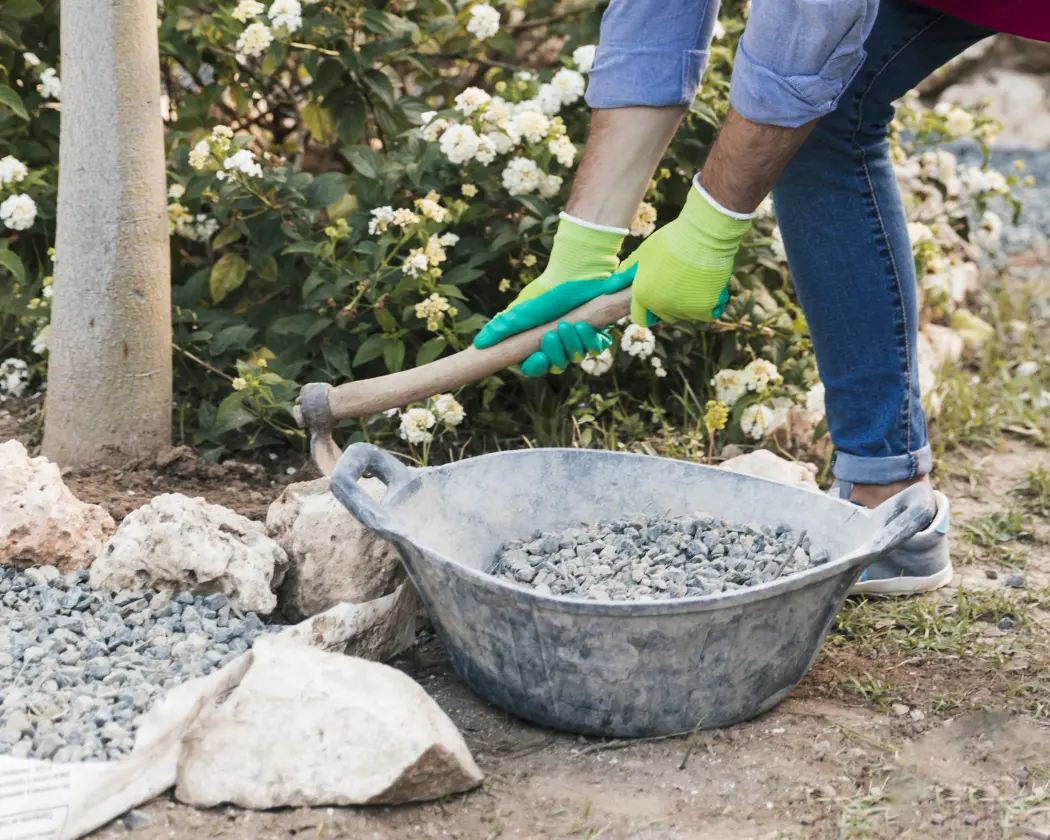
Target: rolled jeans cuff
628	77
858	469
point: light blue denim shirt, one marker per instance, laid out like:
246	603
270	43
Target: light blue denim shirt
795	59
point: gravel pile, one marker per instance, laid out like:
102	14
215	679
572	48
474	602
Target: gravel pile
648	558
77	667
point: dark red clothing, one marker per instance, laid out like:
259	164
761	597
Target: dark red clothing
1027	18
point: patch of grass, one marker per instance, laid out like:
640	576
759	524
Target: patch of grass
993	529
865	814
583	827
1035	490
875	692
924	625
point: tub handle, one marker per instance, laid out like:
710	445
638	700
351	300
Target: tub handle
900	518
356	461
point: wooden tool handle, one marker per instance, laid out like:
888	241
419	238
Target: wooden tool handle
371	396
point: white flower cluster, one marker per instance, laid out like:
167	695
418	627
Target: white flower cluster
244	162
247	9
757	376
287	15
199	228
484	21
638	341
597	365
17	211
644	221
583	57
528	131
14	377
254	40
756	420
50	86
12	170
433	310
209	151
416	423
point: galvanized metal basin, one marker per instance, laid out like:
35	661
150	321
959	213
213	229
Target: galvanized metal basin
622	669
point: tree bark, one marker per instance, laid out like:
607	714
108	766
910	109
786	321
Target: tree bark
110	371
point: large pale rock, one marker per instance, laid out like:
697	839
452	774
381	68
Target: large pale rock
309	728
764	464
41	522
180	543
332	557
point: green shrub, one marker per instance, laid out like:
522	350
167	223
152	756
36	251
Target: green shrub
337	213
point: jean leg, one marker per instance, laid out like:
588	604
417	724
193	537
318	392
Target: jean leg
845	233
651	52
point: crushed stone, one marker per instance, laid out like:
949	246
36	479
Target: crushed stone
649	558
78	667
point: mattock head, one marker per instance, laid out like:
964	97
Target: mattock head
313	413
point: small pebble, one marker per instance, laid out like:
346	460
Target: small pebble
971	819
1006	623
136	820
1014	582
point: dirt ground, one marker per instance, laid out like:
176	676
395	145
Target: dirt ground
922	718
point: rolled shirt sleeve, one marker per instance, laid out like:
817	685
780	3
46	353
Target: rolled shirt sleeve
651	52
796	58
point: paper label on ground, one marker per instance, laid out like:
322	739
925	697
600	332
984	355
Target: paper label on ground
34	799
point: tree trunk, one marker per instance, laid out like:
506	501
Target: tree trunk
109	377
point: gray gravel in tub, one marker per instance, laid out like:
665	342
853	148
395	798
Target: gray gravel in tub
649	558
78	667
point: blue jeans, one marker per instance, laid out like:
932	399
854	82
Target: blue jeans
845	233
839	209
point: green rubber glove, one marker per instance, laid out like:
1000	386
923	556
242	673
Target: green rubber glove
581	266
682	271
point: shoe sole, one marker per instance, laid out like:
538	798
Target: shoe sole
905	585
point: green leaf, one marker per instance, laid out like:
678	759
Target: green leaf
227	275
338	359
22	9
13	101
10	261
394	354
474	322
227	236
318	122
304	247
384	23
236	337
370	350
820	431
293	325
386	320
327	189
351	119
312	284
342	207
267	270
367	162
233	414
431	350
451	291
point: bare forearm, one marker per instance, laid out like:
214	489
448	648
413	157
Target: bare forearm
624	147
747	159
